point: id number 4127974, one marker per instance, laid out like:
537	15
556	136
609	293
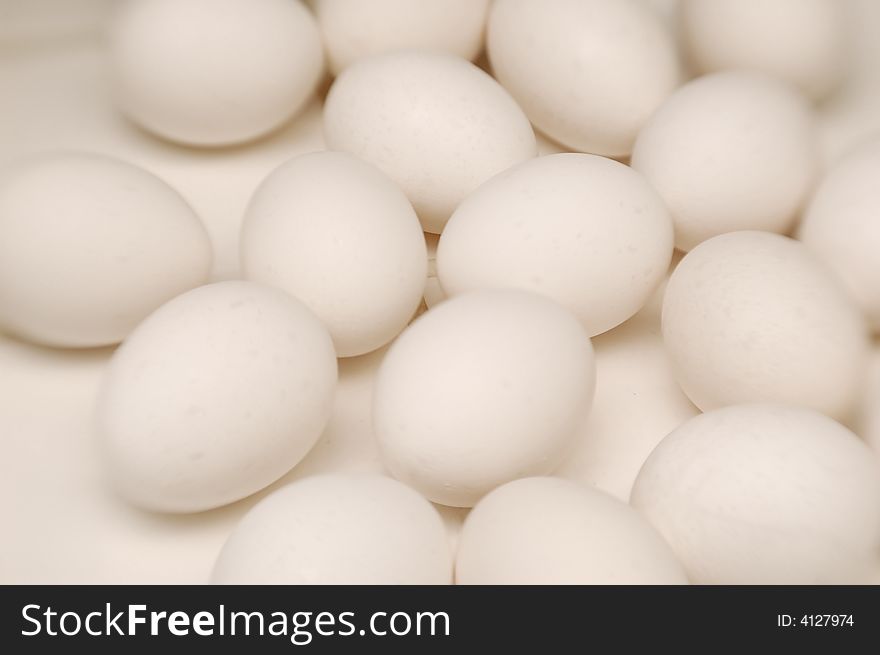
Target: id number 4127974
814	621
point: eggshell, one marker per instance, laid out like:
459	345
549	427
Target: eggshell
216	395
754	317
435	124
90	245
552	531
338	529
588	73
586	231
213	72
730	151
482	389
842	226
800	41
764	494
355	29
337	234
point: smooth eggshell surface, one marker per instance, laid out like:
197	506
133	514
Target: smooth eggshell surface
435	124
90	245
217	394
586	231
754	317
730	151
800	41
482	389
588	73
842	226
353	30
338	235
338	529
552	531
213	72
765	494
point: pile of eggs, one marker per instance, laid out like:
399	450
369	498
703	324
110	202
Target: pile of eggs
687	145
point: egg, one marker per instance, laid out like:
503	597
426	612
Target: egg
214	396
764	494
482	389
841	226
437	125
586	231
800	41
754	317
353	30
213	72
730	151
549	531
588	73
338	528
89	245
337	234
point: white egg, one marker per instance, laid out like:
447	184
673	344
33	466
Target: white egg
588	73
89	246
730	151
482	389
213	72
338	529
217	394
435	124
338	235
800	41
552	531
353	29
754	317
765	494
842	226
586	231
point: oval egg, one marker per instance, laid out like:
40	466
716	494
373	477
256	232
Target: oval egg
437	125
338	529
217	394
337	234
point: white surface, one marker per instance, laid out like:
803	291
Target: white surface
337	234
801	41
552	531
485	388
380	108
730	151
217	394
353	29
755	317
213	72
588	73
586	231
338	529
765	494
89	246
